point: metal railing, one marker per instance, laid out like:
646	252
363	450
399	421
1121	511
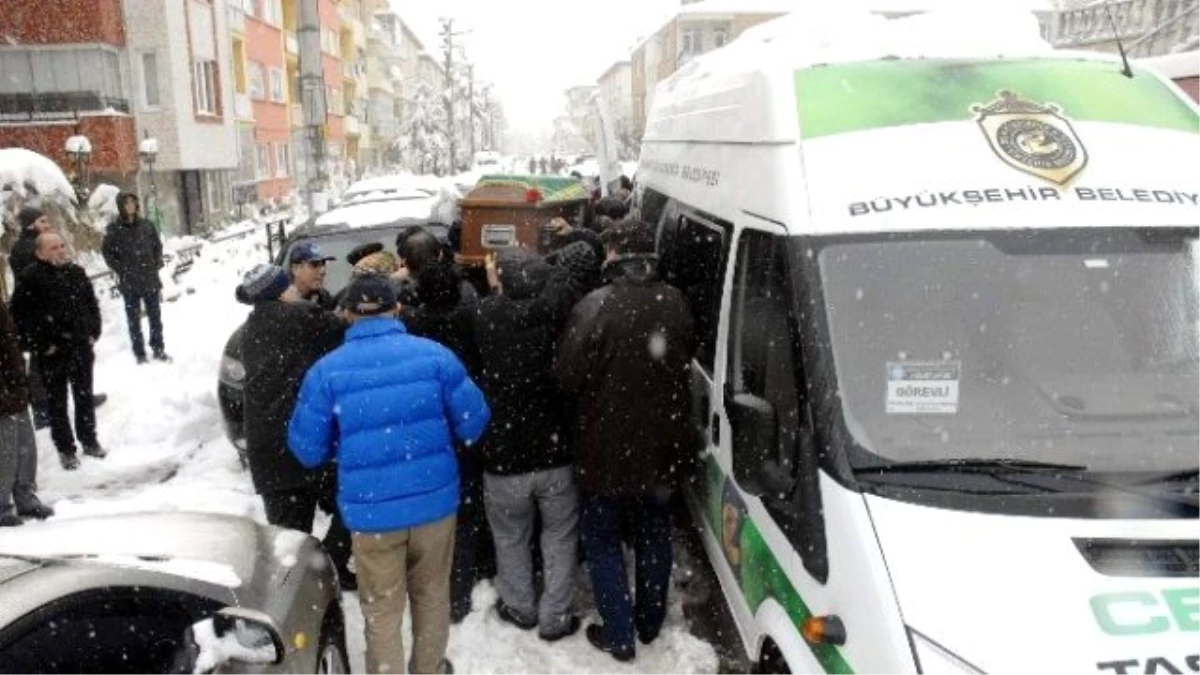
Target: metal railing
275	227
68	105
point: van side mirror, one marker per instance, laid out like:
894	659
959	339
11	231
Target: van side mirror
755	437
236	635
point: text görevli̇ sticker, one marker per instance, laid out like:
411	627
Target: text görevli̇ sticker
923	387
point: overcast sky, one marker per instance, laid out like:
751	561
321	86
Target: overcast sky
533	50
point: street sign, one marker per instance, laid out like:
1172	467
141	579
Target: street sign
245	193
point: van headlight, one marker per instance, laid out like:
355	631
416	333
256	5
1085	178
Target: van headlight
934	658
232	371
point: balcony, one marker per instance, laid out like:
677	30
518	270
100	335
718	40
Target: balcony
291	43
237	19
58	106
242	107
354	70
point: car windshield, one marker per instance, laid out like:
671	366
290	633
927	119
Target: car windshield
337	245
1076	347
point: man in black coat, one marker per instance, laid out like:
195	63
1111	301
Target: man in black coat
439	312
527	458
133	251
284	335
625	355
18	448
58	317
32	222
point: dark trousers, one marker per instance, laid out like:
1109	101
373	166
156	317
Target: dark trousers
474	555
649	520
295	509
71	368
37	394
133	313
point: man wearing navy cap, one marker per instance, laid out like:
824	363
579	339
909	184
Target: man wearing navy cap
306	268
390	408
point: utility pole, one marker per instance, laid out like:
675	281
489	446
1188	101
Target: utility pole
312	100
471	105
448	48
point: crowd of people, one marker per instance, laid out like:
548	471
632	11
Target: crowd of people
452	432
54	318
456	433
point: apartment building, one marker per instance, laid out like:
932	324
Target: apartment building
261	86
354	16
412	56
1145	28
182	97
66	71
616	92
696	28
385	76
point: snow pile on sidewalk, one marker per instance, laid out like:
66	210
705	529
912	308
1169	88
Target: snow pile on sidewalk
21	169
168	452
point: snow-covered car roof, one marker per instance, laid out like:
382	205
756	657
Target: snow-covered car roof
392	184
375	209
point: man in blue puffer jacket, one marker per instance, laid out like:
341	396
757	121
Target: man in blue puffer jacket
390	407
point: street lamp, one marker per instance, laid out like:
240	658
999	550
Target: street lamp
148	151
79	148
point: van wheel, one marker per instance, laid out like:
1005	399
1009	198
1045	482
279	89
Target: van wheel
770	660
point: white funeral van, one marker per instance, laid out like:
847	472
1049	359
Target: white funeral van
947	390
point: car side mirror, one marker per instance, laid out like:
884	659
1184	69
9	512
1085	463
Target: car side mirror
237	635
755	437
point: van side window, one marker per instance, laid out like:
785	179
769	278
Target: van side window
762	348
649	205
694	253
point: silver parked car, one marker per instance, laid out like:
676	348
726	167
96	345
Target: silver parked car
167	593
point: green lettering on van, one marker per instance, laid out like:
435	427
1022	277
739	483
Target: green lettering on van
1184	604
843	98
1102	607
759	574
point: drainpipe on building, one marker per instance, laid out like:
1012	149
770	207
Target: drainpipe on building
312	100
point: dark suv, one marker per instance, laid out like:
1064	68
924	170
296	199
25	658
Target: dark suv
336	237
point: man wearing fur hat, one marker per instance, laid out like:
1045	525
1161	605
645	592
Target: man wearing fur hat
283	337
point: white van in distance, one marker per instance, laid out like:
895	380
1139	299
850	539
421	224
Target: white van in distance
945	281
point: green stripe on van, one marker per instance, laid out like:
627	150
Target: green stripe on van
842	98
758	572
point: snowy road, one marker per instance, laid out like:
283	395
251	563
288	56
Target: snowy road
167	452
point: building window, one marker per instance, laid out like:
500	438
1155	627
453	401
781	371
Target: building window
333	98
277	85
262	161
720	37
282	163
272	12
205	83
150	80
258	90
330	43
692	44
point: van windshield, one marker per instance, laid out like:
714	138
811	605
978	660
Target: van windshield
1069	346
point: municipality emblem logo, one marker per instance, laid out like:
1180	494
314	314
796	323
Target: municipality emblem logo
1032	137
